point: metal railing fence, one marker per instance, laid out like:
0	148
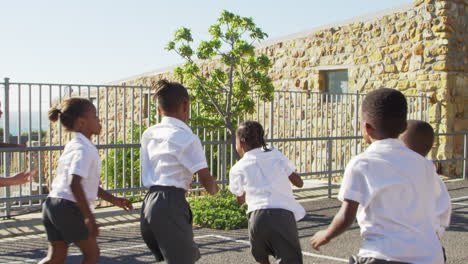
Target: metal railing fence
320	132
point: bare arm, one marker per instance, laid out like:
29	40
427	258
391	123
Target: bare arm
82	203
342	220
117	201
207	181
20	178
296	180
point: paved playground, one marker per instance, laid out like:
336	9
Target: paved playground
123	244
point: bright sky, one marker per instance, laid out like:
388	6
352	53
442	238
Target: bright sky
97	41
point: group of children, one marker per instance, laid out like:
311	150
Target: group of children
401	204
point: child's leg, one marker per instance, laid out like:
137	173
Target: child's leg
56	254
90	250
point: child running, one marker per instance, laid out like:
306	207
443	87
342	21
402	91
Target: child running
419	137
261	178
170	155
20	178
67	211
394	191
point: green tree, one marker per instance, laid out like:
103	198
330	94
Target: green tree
226	91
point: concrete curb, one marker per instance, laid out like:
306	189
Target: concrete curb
31	224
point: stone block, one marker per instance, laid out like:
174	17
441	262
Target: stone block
418	49
375	57
441	66
390	68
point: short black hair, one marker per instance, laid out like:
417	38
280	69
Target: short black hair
252	134
418	136
170	95
386	110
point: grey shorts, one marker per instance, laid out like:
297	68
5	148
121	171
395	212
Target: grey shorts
166	226
274	232
63	221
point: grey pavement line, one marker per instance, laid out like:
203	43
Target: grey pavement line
309	254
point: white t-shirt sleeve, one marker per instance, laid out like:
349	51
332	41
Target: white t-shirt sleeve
144	160
192	157
443	205
287	164
355	186
80	163
236	185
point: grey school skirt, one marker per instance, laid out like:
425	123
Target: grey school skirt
63	221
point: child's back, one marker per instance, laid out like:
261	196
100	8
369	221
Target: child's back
397	191
263	175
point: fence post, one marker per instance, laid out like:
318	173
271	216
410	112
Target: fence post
6	139
356	122
329	166
272	112
465	152
223	165
421	110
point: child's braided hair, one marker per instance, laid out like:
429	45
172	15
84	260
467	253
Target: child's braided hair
252	134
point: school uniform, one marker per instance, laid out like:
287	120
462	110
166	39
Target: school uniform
62	218
403	204
272	209
170	155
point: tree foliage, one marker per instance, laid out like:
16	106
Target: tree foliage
226	90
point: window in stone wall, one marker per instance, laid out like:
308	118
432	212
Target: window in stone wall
335	82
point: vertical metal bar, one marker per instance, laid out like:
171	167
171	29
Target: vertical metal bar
356	121
421	110
39	132
124	150
132	150
465	154
50	139
19	138
272	112
329	166
98	109
29	134
107	136
6	139
115	137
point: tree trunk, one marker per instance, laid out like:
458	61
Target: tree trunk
232	131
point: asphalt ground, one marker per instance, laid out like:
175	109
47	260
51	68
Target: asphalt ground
123	243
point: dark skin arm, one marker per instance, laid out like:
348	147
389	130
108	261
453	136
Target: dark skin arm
241	199
82	203
207	181
296	180
117	201
342	221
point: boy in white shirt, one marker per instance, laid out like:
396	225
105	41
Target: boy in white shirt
170	155
393	191
261	178
419	137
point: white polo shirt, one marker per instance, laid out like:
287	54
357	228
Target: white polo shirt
402	203
264	178
170	154
80	157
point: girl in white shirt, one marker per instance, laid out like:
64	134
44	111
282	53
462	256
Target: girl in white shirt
67	211
262	178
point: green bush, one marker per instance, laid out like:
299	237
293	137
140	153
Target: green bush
220	211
